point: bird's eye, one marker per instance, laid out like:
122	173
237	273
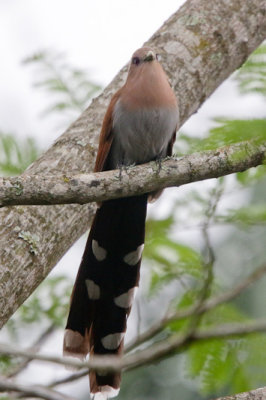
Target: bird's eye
158	57
136	60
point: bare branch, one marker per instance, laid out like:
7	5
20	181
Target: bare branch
40	392
178	343
70	378
33	349
66	361
206	306
209	257
43	189
150	354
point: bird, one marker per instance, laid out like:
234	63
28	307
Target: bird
139	126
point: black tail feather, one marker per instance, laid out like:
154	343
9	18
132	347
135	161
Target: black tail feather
104	288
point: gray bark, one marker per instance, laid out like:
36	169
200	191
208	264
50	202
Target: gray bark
85	188
201	44
257	394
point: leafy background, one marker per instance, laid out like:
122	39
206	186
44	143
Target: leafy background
216	229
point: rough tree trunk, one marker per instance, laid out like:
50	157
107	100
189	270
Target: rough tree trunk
201	44
257	394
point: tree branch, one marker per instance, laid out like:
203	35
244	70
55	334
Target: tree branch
164	348
206	306
81	189
34	348
178	343
68	379
32	391
257	394
201	45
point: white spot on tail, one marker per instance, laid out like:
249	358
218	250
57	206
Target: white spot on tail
105	392
125	300
73	339
112	341
133	257
98	251
74	346
93	290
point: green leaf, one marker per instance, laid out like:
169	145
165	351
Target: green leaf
252	175
250	215
170	260
5	363
254	359
187	300
212	363
70	87
233	131
49	303
234	364
252	76
16	154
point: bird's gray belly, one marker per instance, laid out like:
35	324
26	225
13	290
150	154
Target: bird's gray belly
143	135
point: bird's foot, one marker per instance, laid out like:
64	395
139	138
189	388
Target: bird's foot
158	162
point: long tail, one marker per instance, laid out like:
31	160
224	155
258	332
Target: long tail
104	289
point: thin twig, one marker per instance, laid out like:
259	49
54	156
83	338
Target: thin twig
152	353
33	349
138	308
178	343
110	363
210	256
206	306
68	379
207	267
32	391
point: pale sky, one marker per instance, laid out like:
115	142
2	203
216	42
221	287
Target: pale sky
97	35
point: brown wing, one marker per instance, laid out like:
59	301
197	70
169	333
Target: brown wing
106	136
170	145
155	195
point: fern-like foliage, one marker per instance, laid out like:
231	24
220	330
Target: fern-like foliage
16	154
251	77
70	86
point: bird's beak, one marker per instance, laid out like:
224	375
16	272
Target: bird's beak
150	56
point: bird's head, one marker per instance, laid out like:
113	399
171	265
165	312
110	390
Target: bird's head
143	55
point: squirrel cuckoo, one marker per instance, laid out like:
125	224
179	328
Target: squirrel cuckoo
139	126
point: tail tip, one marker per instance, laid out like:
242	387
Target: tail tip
105	392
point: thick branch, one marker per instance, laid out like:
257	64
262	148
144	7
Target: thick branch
201	44
257	394
34	190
